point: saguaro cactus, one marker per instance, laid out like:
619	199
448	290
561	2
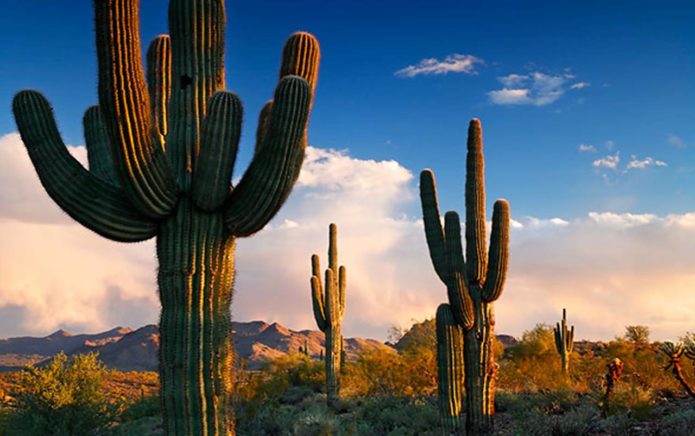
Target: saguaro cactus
329	308
564	341
474	283
161	153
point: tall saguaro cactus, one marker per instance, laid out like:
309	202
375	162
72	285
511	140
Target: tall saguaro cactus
564	341
161	151
329	307
473	282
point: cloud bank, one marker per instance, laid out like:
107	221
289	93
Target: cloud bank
608	269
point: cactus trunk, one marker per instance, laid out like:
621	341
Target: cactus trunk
196	274
333	361
480	369
449	369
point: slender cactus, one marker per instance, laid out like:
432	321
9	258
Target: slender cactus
161	152
613	371
675	352
329	307
564	341
473	284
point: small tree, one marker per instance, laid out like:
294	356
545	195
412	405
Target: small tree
637	334
64	398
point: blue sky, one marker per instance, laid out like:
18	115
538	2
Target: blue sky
639	61
587	112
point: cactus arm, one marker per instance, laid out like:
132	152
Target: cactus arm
144	170
92	202
499	252
99	152
449	368
476	256
559	343
433	224
269	179
460	300
570	341
300	57
219	144
317	300
159	84
262	128
342	285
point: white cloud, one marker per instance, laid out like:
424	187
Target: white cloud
454	63
580	85
587	148
536	88
640	164
610	161
607	267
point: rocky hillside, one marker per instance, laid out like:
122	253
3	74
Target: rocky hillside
137	350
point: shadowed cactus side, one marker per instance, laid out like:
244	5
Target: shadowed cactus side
161	152
473	283
564	341
329	307
675	351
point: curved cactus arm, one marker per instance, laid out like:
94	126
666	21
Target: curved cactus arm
145	174
300	57
499	252
342	285
197	29
99	151
559	343
690	350
269	179
219	144
433	224
262	128
476	256
460	300
159	84
450	369
570	340
92	202
317	302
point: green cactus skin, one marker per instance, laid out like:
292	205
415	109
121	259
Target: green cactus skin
450	369
329	307
472	285
161	155
564	341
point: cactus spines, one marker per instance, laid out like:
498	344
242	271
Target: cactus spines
329	307
161	150
475	282
449	369
564	341
675	351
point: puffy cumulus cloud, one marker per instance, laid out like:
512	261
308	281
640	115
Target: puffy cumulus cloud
454	63
609	270
610	161
640	164
536	88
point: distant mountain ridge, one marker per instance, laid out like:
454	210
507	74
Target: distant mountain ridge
138	350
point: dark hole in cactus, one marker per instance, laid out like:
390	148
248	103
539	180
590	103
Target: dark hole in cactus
185	81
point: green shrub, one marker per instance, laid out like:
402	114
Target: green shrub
63	399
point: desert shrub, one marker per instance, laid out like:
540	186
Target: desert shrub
146	406
63	398
397	416
637	334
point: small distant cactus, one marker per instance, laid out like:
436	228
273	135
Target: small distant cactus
474	283
329	307
675	351
564	341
